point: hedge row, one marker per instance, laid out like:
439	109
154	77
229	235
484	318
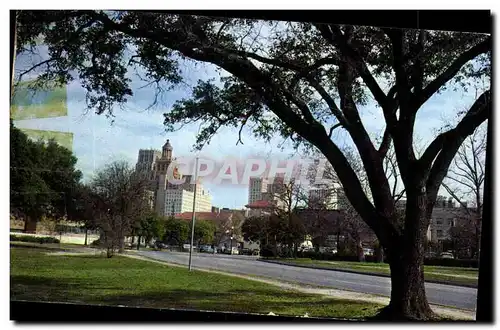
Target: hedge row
268	252
33	239
332	257
465	263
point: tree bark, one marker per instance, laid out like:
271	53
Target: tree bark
109	252
121	244
379	253
138	242
29	225
86	234
359	250
406	261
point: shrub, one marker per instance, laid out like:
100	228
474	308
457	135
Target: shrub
33	239
268	251
96	243
465	263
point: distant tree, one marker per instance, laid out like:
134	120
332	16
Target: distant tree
289	227
465	235
225	226
203	232
465	182
150	225
176	231
81	208
43	178
256	229
119	195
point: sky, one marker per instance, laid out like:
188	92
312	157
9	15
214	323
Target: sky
97	141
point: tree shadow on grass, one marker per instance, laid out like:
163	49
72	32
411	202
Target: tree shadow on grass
254	301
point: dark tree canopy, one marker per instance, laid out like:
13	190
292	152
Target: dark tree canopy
302	81
43	177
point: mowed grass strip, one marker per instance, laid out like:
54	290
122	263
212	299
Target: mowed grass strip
130	282
452	275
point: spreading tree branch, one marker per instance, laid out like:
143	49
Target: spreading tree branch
481	48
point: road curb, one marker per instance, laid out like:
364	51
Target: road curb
473	286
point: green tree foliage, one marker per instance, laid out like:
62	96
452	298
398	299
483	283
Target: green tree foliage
300	80
204	231
256	229
176	231
150	226
44	180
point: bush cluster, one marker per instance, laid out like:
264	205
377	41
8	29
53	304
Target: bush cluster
33	239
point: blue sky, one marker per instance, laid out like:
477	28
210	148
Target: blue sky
97	141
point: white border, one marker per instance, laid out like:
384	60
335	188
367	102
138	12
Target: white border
198	4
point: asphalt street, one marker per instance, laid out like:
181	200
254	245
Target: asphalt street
441	294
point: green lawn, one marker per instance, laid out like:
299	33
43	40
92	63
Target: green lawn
35	275
453	275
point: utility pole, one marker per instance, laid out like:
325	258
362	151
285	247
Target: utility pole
485	283
194	212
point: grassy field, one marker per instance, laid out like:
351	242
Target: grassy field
36	275
453	275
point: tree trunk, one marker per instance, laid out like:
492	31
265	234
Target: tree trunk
138	242
86	234
121	244
379	251
29	225
338	242
359	250
406	261
109	252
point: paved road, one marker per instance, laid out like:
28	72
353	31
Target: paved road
448	295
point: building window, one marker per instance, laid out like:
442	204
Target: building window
452	223
439	222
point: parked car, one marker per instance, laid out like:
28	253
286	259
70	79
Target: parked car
160	245
206	248
368	252
246	252
446	255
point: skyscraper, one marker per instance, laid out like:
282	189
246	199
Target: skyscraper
170	198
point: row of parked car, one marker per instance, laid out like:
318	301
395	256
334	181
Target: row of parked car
208	249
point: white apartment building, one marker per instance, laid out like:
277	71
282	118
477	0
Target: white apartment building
324	197
445	215
329	198
169	199
176	199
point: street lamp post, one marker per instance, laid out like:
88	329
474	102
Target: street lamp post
232	236
194	212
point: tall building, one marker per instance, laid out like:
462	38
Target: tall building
147	159
256	187
170	198
178	200
146	163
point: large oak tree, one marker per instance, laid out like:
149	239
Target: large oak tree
300	80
